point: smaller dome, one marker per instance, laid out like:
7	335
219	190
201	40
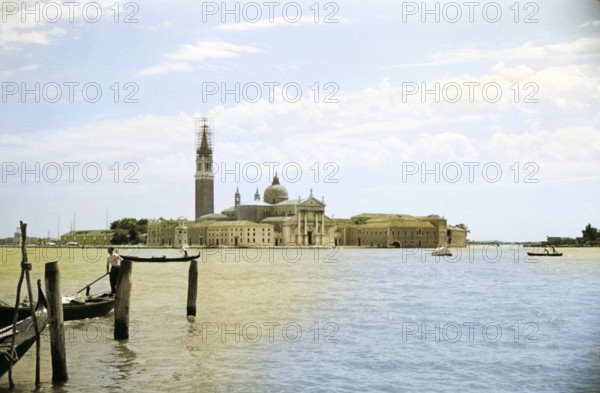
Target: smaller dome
275	193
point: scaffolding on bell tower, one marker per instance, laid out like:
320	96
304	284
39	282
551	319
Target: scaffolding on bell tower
204	126
204	178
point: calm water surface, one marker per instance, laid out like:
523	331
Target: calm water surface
341	320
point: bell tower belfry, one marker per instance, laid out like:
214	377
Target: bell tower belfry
205	190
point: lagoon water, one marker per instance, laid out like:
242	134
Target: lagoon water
335	320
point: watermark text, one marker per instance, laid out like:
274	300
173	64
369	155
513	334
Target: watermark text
470	171
289	172
471	332
471	11
54	92
471	92
269	331
271	12
69	171
71	11
253	92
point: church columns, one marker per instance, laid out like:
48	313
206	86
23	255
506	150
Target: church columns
317	235
298	229
310	229
305	224
305	240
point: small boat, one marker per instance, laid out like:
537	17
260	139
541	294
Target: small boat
545	254
73	308
25	334
160	259
442	251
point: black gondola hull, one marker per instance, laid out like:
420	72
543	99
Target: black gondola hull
160	259
543	254
25	336
92	308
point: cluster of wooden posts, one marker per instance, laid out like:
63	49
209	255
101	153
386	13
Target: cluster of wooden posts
121	329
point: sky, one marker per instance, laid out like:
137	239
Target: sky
486	113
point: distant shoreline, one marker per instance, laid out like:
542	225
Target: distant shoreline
143	246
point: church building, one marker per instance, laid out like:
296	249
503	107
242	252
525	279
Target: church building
299	221
273	221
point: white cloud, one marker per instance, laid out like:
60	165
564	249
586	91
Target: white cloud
553	53
151	135
189	57
30	67
14	37
205	50
43	22
166	68
561	153
9	73
595	23
571	86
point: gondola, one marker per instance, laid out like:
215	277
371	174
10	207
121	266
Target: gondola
25	334
543	254
160	259
88	307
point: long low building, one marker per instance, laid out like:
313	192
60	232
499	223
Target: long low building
399	230
88	238
303	222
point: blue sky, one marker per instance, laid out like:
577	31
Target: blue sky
477	116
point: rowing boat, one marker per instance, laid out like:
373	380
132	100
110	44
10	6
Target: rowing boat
24	336
73	309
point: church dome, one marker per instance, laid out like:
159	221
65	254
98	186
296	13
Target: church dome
275	193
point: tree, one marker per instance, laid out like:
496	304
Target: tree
128	230
590	233
120	237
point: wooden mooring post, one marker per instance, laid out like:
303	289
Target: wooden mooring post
57	325
192	288
25	268
122	301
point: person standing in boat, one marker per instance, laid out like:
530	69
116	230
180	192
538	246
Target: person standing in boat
184	249
113	262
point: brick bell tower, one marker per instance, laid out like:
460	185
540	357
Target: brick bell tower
205	183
